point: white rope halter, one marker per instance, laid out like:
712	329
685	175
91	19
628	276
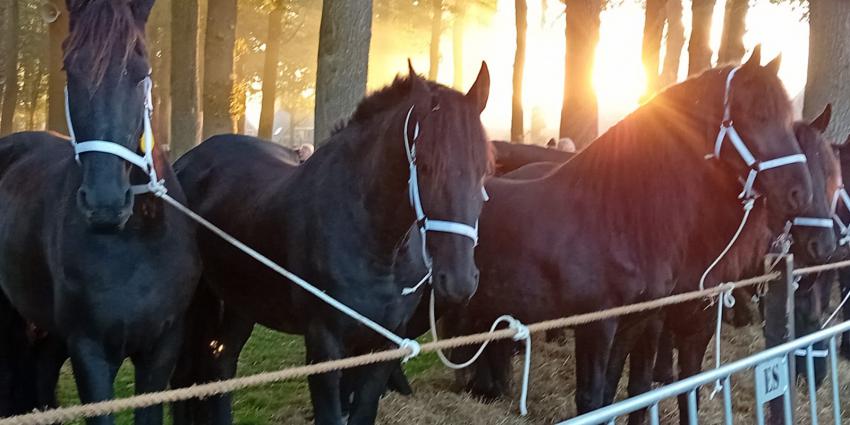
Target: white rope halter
727	131
424	223
144	161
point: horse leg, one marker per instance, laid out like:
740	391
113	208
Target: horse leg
593	348
663	372
94	373
691	354
153	370
844	285
370	385
641	363
628	331
324	345
50	356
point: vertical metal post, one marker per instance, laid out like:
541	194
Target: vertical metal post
779	326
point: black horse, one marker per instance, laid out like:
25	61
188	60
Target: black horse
343	220
87	269
625	210
812	244
512	156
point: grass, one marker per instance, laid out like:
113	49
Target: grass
265	351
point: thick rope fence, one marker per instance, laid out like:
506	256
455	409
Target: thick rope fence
66	414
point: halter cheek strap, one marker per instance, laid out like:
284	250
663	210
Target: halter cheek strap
727	131
144	161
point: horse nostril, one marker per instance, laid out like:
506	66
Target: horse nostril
82	199
797	198
128	197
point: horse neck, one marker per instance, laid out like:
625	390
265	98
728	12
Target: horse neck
649	178
380	194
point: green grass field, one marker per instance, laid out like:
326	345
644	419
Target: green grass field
267	350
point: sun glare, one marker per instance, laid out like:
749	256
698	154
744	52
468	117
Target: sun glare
618	77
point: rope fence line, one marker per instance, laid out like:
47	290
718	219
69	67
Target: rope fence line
67	414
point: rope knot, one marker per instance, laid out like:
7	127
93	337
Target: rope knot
412	346
521	330
157	188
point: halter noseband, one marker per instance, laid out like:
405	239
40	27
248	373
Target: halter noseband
727	131
144	161
844	228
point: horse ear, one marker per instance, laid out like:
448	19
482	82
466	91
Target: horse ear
755	58
480	90
418	87
822	121
142	9
773	66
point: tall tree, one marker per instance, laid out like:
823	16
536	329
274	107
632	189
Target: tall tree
829	63
734	26
579	117
458	29
699	50
185	118
159	48
675	42
273	41
343	61
521	9
653	29
219	74
57	14
10	72
436	31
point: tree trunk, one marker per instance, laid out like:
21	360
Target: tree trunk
6	48
734	26
58	32
266	127
10	87
436	30
675	42
699	50
517	131
457	44
35	94
829	64
579	118
185	119
218	67
158	30
653	29
343	62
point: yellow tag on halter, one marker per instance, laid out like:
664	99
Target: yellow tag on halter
142	143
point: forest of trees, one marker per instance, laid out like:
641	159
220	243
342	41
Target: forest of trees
210	56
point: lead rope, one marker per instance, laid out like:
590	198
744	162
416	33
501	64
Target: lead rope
521	334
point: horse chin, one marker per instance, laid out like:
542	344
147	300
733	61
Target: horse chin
108	226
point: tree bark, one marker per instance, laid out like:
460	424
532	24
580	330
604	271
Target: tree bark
218	68
653	29
517	131
675	42
35	95
734	26
185	119
699	50
10	87
829	64
57	33
343	62
158	30
457	44
579	118
436	30
266	127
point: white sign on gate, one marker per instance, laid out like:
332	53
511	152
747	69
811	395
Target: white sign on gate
771	379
